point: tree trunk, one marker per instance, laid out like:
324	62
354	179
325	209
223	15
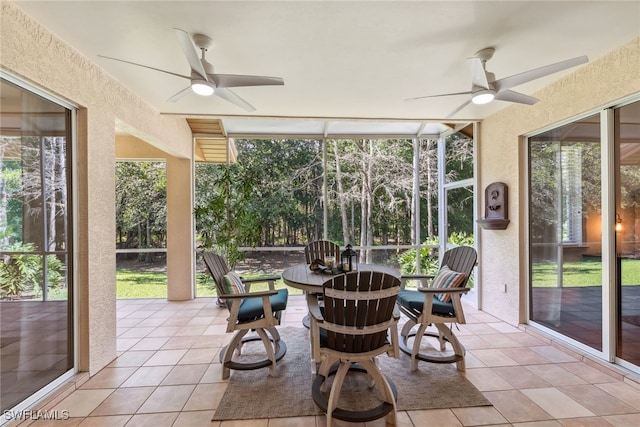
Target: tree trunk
363	204
430	189
148	231
370	196
341	197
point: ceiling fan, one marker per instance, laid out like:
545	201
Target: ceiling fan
485	88
204	81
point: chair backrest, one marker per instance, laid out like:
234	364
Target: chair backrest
461	259
321	248
358	310
218	267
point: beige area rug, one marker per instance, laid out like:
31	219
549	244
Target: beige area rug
254	394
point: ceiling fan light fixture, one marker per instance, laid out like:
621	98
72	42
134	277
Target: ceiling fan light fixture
202	87
483	97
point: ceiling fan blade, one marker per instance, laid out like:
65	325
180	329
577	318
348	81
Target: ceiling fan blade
180	94
511	96
478	73
230	96
236	80
527	76
437	96
145	66
189	50
451	114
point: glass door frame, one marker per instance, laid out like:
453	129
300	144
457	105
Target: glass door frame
616	247
605	148
609	298
443	204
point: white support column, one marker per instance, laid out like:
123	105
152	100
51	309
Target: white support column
180	234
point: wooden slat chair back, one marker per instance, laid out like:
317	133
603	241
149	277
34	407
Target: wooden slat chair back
424	308
249	311
319	249
359	322
462	259
217	267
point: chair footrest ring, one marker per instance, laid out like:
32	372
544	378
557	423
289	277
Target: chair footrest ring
453	358
280	350
352	416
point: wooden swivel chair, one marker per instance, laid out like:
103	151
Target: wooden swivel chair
259	311
437	304
319	249
354	327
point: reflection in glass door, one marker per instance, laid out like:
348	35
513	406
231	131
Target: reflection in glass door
627	137
565	230
36	334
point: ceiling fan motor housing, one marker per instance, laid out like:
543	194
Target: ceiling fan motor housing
202	42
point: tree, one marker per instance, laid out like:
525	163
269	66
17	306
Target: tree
224	220
141	204
284	203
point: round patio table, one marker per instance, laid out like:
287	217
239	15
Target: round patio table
301	277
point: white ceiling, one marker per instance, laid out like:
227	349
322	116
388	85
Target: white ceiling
339	59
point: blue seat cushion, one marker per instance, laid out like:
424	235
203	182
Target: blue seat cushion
251	308
414	300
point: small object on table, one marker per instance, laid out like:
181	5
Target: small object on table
330	261
349	259
317	266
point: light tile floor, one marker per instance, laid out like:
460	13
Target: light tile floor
167	374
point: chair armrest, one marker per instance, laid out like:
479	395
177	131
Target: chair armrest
416	276
443	290
261	278
270	279
314	308
248	295
420	277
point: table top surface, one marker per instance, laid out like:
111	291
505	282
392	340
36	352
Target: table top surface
301	277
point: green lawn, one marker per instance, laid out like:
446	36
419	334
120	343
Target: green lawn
149	284
583	273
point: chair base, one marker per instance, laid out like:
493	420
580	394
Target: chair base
404	347
444	335
280	349
351	416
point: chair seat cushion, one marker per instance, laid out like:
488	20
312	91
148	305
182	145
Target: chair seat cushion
414	300
251	308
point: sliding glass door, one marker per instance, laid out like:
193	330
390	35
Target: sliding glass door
36	323
565	231
627	141
567	240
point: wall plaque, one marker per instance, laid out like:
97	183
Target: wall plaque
496	202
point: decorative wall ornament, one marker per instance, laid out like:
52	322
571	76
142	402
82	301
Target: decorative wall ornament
496	200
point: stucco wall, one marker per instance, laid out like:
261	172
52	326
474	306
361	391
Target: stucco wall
502	253
28	51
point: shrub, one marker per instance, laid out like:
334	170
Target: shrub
429	261
22	273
